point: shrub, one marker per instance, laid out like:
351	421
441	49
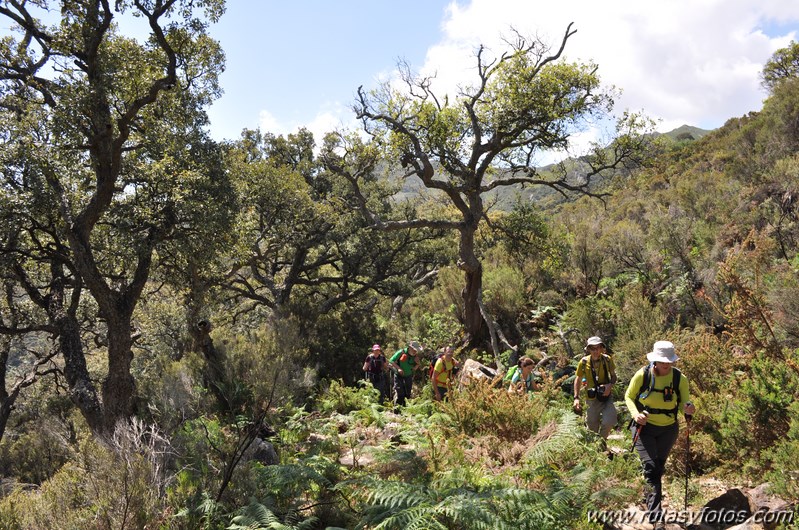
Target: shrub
758	416
119	485
784	459
481	409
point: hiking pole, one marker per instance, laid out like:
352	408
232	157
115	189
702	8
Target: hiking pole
638	430
688	418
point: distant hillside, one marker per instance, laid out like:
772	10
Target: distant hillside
505	197
686	132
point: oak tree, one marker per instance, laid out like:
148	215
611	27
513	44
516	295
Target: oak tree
112	127
523	103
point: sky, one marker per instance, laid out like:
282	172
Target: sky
299	63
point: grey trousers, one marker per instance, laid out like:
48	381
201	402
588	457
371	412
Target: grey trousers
601	416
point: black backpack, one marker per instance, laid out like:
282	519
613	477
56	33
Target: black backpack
674	387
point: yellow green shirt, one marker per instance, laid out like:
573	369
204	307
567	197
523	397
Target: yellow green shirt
600	366
442	372
655	399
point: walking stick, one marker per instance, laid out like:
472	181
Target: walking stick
688	418
638	430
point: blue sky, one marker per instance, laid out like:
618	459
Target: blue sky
295	61
299	63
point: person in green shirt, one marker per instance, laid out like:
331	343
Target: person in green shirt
597	373
404	362
653	399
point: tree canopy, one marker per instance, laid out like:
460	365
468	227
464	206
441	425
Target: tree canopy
524	102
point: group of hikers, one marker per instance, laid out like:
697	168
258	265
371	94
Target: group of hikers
653	397
404	363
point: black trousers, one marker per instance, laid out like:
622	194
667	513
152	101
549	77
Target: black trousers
654	445
403	384
378	380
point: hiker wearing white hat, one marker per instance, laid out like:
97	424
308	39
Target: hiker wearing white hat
404	362
653	399
597	373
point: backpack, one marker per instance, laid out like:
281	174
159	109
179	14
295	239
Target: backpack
508	377
433	365
375	363
674	386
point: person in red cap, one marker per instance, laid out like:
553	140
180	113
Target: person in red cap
376	368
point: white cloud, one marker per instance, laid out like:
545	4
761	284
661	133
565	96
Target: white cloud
682	61
268	123
331	116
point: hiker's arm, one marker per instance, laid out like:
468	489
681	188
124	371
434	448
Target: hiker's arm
685	396
394	365
612	368
578	378
632	393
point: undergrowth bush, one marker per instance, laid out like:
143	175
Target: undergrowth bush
480	408
783	458
120	484
759	415
338	397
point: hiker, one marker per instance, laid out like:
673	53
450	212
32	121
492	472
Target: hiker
522	380
653	399
376	369
404	362
597	373
442	374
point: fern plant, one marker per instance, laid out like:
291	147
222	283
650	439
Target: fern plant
257	516
445	504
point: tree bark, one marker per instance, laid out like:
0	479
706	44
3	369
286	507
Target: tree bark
119	387
472	292
82	391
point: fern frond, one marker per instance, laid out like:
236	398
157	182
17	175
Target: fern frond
566	436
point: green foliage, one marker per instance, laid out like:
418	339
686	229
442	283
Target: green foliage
783	65
481	409
783	456
256	516
266	364
40	448
638	324
590	316
343	399
759	414
504	293
117	485
446	504
552	489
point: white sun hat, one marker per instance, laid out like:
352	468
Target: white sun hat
593	341
662	352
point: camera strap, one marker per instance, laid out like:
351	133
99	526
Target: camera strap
593	371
